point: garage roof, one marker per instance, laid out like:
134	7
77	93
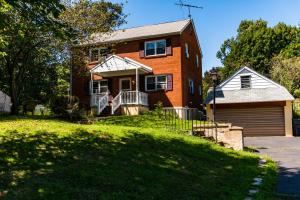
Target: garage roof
262	90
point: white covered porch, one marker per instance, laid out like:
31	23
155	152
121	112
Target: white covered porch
122	93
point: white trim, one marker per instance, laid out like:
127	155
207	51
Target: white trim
123	79
155	48
95	48
251	70
250	81
125	59
99	86
155	76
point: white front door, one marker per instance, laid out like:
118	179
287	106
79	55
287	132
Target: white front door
125	84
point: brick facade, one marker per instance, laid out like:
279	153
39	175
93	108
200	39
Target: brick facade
176	64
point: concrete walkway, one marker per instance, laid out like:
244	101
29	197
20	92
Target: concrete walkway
286	151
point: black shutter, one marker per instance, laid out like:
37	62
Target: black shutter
169	82
168	46
87	88
142	49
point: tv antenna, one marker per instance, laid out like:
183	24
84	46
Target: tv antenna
189	6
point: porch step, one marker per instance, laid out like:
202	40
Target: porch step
105	112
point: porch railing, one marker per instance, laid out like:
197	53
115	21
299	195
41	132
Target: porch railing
134	97
102	103
116	102
129	98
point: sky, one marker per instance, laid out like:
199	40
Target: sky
216	22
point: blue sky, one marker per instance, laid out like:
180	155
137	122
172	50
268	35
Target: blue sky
216	22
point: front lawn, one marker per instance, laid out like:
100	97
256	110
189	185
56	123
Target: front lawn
119	158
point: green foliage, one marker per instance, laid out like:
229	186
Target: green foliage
35	42
29	106
286	72
66	107
207	81
256	44
87	17
52	159
297	93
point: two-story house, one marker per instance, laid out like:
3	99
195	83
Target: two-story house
133	69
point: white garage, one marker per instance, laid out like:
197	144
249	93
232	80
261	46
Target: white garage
254	102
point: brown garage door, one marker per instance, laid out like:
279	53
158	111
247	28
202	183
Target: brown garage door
255	121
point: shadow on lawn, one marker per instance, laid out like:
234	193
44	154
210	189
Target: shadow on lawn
137	166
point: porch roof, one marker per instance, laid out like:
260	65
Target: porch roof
117	66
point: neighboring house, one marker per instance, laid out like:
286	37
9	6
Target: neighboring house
5	103
134	69
254	102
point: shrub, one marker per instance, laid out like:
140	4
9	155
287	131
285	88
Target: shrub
29	106
66	107
297	93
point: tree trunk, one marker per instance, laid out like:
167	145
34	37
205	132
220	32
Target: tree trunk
14	100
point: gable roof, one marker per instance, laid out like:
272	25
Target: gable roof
116	63
141	32
250	70
271	92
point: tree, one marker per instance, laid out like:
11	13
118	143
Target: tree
37	40
286	71
256	44
207	81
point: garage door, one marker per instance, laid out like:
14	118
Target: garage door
255	121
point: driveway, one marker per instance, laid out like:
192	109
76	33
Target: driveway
286	151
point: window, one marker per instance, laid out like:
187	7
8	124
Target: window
157	47
245	82
100	86
156	82
187	50
125	84
200	90
191	86
94	55
197	60
97	53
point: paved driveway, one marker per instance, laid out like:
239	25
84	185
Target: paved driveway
286	151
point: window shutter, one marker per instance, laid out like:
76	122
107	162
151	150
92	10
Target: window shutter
169	82
142	49
168	47
87	88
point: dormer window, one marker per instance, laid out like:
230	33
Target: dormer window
97	53
154	48
246	82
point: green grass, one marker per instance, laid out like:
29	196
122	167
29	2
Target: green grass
116	158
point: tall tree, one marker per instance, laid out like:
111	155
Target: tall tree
256	44
36	48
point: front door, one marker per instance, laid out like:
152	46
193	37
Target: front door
125	84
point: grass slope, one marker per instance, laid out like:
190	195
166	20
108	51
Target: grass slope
119	158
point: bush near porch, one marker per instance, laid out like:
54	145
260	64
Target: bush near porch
117	158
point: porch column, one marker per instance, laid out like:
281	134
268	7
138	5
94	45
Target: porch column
137	85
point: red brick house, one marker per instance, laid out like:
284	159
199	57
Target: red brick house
141	66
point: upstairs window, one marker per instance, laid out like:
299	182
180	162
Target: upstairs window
187	55
96	54
197	60
154	48
191	86
246	82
